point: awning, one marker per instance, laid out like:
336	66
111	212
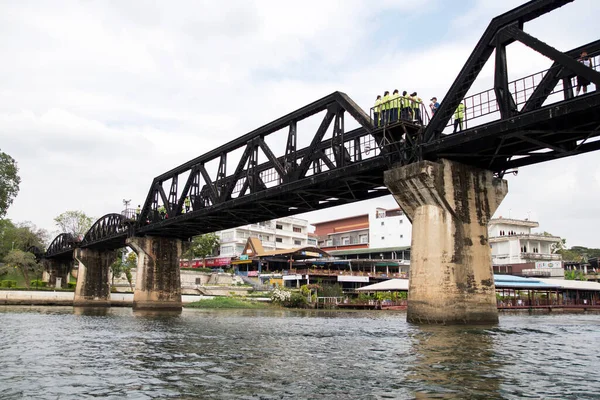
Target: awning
241	262
387	264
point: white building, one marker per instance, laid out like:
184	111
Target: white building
389	228
512	242
280	233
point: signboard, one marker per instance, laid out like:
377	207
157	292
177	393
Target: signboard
548	264
252	273
312	254
244	257
350	278
209	262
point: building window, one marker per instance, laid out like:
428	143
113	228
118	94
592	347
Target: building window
264	237
198	281
297	242
329	242
227	235
346	240
297	230
278	226
364	238
226	250
279	240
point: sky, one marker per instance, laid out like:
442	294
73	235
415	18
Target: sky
98	98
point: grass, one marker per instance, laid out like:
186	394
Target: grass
227	302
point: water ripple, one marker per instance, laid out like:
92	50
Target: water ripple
66	353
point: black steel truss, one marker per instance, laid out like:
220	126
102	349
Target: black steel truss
109	231
502	31
349	166
62	246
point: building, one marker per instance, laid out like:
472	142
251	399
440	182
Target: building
518	251
277	234
380	228
389	228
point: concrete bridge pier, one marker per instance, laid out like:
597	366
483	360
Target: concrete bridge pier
158	282
449	205
93	278
57	269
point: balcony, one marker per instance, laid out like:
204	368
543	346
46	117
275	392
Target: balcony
541	256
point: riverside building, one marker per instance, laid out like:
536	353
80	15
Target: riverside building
516	250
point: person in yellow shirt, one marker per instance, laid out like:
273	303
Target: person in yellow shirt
459	116
394	109
385	105
377	111
416	107
405	106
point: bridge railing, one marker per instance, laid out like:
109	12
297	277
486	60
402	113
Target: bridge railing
392	112
485	103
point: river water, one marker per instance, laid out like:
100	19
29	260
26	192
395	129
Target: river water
66	353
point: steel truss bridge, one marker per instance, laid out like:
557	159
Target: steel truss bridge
268	173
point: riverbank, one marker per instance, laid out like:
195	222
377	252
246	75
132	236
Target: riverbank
50	298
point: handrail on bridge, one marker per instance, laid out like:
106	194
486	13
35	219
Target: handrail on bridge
485	103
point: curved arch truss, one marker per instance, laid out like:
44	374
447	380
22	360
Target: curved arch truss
106	227
63	243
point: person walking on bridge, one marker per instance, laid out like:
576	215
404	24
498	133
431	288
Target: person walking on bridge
581	81
187	204
459	115
138	211
377	111
385	103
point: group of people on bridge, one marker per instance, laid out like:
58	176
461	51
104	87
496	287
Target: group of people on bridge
395	107
392	108
162	210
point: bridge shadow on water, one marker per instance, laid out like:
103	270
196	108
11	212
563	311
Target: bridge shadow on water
454	362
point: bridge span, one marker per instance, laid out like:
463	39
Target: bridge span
448	184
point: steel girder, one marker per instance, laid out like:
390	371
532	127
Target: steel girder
555	131
227	200
62	246
501	31
109	231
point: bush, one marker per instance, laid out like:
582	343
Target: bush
297	300
8	284
36	283
71	285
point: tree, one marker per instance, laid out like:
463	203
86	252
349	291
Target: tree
9	182
21	236
123	265
24	261
76	223
203	246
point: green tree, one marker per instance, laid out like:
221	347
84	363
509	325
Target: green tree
21	236
203	246
123	265
24	261
76	223
9	182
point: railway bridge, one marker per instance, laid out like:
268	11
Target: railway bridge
332	152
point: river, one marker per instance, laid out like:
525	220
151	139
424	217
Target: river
66	353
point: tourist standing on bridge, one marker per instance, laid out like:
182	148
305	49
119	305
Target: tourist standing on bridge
162	211
138	210
394	102
187	204
385	102
434	105
416	105
405	106
581	81
459	115
377	110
